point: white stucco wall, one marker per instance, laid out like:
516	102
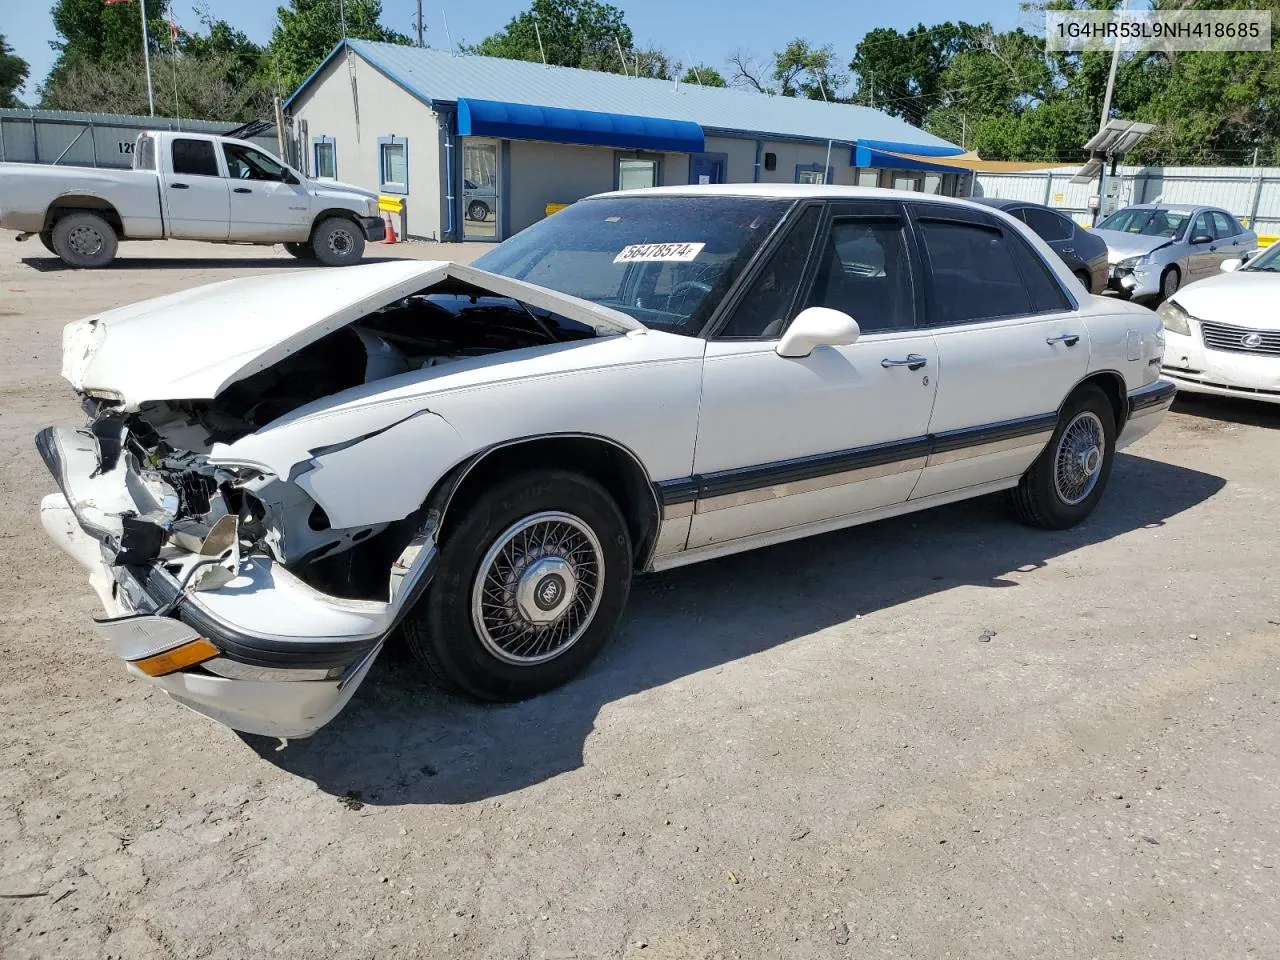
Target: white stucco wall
328	107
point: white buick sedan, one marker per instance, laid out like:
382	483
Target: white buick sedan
279	471
1223	334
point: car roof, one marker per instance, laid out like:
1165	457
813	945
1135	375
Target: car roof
1170	207
787	191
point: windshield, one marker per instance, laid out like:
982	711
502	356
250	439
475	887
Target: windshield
1266	262
1148	223
664	260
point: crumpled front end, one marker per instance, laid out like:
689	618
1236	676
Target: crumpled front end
193	568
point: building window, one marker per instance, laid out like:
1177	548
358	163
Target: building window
325	152
393	164
813	173
634	171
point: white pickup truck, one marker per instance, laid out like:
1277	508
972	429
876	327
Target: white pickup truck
187	186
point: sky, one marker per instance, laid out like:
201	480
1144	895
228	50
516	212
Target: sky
706	31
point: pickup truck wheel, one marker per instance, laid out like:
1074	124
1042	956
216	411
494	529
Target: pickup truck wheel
46	238
1065	483
530	583
302	251
337	242
84	240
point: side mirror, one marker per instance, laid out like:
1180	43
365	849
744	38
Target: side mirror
817	327
1228	266
1202	238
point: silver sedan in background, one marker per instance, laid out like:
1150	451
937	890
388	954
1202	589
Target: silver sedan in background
1153	249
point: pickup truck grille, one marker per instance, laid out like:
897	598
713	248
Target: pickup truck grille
1226	336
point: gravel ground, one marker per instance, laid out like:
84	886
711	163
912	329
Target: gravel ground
807	751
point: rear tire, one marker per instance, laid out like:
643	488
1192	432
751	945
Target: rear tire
302	251
337	242
529	585
46	238
84	240
1065	483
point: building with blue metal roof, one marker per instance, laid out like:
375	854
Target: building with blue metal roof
481	147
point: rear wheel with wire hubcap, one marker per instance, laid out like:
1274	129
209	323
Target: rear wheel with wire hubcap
530	583
1065	483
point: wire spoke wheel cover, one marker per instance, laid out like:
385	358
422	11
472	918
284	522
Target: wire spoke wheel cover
537	588
1079	458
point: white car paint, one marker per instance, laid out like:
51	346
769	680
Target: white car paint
1242	303
684	408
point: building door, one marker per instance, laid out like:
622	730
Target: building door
706	169
481	194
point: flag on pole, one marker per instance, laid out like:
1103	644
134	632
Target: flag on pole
173	27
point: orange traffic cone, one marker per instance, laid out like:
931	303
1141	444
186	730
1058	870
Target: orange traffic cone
391	231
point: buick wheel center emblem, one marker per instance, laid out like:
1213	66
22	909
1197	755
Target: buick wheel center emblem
549	592
1252	340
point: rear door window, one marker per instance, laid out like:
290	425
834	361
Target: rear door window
1225	226
972	273
194	158
1049	225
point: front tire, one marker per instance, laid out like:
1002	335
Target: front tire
530	583
1066	482
1170	280
337	242
84	240
302	251
478	210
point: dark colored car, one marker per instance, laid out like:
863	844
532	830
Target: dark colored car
1080	250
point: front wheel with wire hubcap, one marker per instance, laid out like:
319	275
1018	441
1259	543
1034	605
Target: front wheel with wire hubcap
1065	483
337	242
531	580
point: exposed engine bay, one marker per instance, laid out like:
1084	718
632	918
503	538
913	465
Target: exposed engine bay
197	504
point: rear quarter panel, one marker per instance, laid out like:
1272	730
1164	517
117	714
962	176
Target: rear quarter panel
1125	338
28	190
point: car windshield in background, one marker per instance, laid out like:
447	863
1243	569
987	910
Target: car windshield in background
665	260
1266	262
1148	223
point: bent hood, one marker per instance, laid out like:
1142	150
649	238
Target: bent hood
194	344
1121	245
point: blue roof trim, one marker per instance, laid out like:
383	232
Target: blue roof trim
871	153
522	121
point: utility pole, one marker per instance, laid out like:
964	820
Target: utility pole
146	57
419	23
1106	111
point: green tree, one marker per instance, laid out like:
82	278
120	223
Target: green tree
901	73
797	70
307	30
575	33
13	74
704	76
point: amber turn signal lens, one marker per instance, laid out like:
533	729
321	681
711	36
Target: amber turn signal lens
188	655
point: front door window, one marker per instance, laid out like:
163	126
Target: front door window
480	189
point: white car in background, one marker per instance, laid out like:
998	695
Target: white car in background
279	470
1222	335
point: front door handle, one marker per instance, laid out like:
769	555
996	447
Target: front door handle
178	186
241	190
1070	339
912	361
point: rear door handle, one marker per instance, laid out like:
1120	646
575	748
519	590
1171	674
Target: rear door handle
241	190
912	361
178	186
1070	339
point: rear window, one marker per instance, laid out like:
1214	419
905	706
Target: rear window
194	158
144	155
666	261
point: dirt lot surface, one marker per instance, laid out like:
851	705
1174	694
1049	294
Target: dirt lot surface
802	752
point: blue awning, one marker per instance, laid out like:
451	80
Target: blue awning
522	121
889	154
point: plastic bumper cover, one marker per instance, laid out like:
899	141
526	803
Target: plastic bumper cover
375	229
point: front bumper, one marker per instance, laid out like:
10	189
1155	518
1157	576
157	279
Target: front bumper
1199	369
1147	407
375	229
289	657
1142	281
